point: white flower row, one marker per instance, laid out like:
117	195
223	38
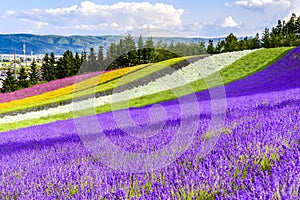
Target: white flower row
190	73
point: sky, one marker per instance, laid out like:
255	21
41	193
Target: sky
189	18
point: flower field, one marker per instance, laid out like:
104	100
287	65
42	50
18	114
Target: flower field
170	149
88	86
151	92
90	82
201	67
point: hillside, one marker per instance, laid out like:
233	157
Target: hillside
170	133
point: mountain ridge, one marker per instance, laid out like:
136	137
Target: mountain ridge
41	44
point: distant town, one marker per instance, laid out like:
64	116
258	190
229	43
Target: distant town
15	61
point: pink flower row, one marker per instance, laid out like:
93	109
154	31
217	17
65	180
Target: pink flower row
44	87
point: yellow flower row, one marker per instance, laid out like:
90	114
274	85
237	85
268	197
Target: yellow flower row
91	82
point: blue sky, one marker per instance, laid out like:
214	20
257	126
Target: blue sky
205	18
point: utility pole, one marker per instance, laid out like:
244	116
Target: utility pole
24	51
15	64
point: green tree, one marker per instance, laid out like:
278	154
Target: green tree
210	47
23	78
140	47
100	59
65	65
231	43
297	26
149	50
84	63
278	28
92	61
45	68
34	74
266	42
243	44
111	56
77	64
255	42
52	67
220	48
10	83
291	24
130	47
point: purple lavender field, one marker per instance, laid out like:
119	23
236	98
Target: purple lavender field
254	155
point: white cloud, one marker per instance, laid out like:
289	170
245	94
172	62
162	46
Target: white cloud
294	9
93	18
272	10
284	4
228	5
229	22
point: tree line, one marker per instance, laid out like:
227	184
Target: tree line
120	54
284	34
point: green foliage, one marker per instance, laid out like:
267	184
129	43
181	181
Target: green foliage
48	67
210	47
45	67
100	59
231	43
23	78
283	34
34	74
265	164
92	61
10	83
51	68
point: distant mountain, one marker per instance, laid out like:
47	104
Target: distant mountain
41	44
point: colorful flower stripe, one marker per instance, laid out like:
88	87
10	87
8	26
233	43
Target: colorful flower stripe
217	61
44	87
91	82
145	71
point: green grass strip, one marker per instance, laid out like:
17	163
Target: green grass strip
247	65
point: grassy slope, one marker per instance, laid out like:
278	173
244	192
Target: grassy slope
242	68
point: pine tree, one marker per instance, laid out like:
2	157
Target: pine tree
84	63
140	46
77	64
210	47
266	38
256	41
10	83
149	50
297	26
231	43
111	56
92	61
52	66
121	60
220	48
59	69
100	59
130	47
34	75
65	65
45	67
23	78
